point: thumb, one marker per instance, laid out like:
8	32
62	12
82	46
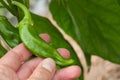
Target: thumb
44	71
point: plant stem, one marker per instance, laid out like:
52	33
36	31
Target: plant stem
20	13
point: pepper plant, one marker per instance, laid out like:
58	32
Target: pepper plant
93	24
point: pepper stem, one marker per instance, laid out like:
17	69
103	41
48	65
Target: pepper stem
27	14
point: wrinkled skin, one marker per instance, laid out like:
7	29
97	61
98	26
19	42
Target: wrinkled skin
14	67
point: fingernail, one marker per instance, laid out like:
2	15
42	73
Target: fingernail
48	64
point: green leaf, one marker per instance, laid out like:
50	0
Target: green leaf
2	50
7	4
43	25
94	24
8	32
1	6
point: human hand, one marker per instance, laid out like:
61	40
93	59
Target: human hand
13	66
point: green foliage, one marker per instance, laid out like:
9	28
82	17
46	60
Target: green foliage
2	50
8	32
94	24
1	5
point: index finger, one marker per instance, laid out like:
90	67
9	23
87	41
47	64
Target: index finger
15	57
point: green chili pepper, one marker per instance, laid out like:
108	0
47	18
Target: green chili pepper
34	43
8	32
